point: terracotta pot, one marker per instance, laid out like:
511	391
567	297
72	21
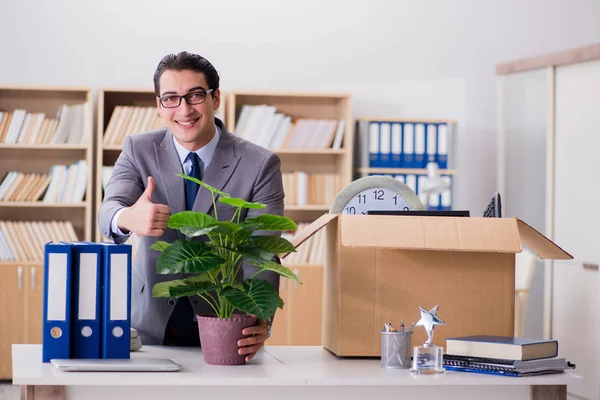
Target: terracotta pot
219	337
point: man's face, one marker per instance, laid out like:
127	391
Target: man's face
191	124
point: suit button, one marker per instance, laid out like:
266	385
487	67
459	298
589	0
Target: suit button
171	302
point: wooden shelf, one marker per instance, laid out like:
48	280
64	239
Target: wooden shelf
308	207
418	120
41	204
310	151
19	263
416	171
41	147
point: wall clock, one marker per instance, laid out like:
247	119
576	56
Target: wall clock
375	192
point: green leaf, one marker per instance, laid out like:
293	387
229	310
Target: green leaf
161	289
258	298
192	223
270	222
202	277
235	202
204	185
280	269
255	255
185	256
160	245
280	304
274	244
225	227
191	290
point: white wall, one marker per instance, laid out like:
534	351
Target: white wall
427	58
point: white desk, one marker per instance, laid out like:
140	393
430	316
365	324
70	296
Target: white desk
296	372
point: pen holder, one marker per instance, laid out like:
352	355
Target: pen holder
395	349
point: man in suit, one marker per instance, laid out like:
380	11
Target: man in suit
143	191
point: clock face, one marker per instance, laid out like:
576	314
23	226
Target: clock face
376	193
376	198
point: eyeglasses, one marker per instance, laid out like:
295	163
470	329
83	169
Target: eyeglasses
173	101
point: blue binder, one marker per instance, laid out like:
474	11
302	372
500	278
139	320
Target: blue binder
419	161
432	143
408	145
396	161
116	313
56	335
385	145
374	154
443	139
87	297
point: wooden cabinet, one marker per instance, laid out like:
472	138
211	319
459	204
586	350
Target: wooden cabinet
34	298
12	313
300	322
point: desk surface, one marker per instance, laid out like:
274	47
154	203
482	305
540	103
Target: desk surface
276	366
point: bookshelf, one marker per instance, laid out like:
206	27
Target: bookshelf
381	150
42	202
315	167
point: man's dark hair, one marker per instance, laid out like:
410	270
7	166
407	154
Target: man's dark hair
185	60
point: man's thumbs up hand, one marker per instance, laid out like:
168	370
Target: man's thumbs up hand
145	218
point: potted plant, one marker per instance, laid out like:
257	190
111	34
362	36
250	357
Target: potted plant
216	262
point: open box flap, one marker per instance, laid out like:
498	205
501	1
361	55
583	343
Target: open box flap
540	244
500	235
310	230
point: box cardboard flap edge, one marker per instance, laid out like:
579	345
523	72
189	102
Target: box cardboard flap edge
500	235
310	230
497	235
540	244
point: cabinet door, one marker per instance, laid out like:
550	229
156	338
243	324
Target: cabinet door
12	314
34	286
575	301
279	332
306	306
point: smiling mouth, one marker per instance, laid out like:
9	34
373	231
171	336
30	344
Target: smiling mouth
187	123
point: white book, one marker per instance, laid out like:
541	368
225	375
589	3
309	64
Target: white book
62	129
106	174
281	133
80	184
15	126
339	134
58	173
37	126
243	119
7	182
302	181
22	132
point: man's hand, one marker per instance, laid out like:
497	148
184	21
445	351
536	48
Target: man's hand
145	218
256	340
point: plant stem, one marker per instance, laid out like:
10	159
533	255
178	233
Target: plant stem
212	306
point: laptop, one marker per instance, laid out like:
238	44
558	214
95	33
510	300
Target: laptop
115	365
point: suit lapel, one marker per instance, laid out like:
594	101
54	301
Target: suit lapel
169	165
219	171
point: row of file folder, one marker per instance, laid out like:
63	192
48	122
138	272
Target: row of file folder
87	300
439	202
404	144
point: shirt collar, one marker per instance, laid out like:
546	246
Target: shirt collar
205	153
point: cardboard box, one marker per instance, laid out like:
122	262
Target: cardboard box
380	269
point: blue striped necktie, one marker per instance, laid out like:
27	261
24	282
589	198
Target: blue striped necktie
191	188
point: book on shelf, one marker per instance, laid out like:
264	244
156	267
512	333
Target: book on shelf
302	188
65	184
129	120
24	240
506	367
501	347
22	127
264	126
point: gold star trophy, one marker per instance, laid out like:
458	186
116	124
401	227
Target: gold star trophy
427	359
